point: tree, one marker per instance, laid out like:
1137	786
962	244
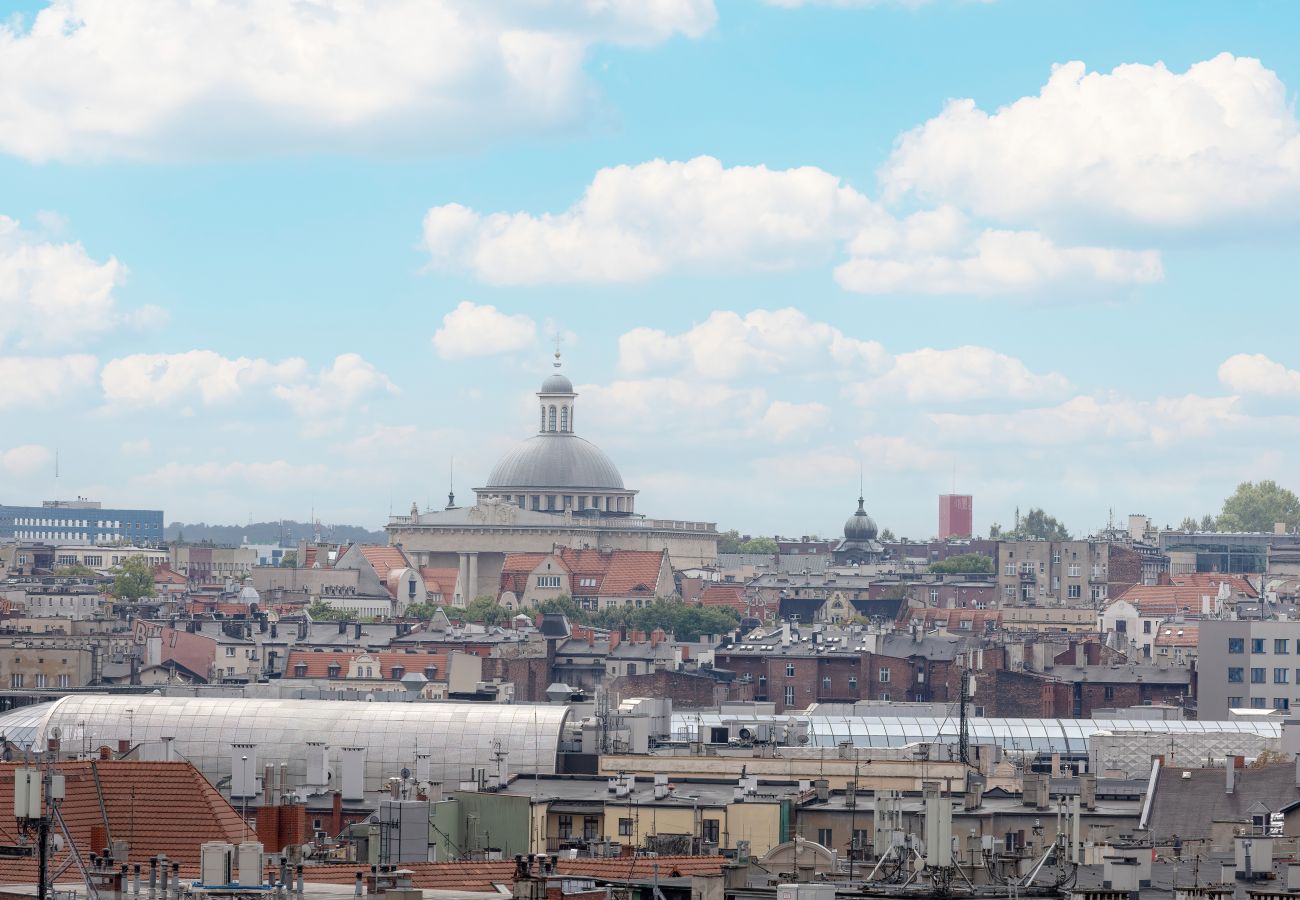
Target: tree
687	623
995	531
289	560
764	545
729	541
1256	507
132	580
886	536
963	564
1207	523
76	570
320	611
1036	526
1189	524
567	607
487	611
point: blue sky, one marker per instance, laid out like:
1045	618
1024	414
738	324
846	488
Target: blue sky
258	261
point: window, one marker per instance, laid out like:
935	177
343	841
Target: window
1234	703
564	418
1074	591
332	671
1009	569
396	673
40	679
625	827
1056	557
65	681
631	668
1257	675
1146	627
884	675
1121	626
1280	676
789	670
300	670
566	827
587	582
1257	703
789	695
853	682
1256	645
1281	645
230	651
1236	674
1073	570
548	581
1281	703
590	828
550	419
825	838
1108	692
1236	645
826	684
934	595
709	830
16	680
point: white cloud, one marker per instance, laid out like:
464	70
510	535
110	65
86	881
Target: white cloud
784	420
44	380
1141	143
141	447
638	222
473	329
897	453
103	79
1158	422
959	374
1255	373
145	380
346	381
52	294
26	460
727	345
276	475
661	405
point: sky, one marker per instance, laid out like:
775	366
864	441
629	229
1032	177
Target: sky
312	258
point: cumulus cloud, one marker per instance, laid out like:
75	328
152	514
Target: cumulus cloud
44	380
785	421
960	374
1255	373
897	453
52	294
1140	143
102	79
660	405
727	345
637	222
1159	422
150	380
26	460
473	329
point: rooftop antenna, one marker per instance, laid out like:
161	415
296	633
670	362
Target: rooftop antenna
451	484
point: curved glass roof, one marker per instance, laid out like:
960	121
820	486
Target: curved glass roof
1017	735
458	736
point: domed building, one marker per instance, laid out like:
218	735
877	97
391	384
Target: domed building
555	470
859	545
554	489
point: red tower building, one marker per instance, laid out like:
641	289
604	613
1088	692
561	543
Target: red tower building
955	514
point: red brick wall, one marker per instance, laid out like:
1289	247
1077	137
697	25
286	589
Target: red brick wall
687	691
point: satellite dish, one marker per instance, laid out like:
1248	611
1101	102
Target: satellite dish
406	773
56	732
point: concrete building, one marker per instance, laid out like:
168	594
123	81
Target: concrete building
81	521
1247	664
956	513
595	579
553	490
1065	573
106	557
205	564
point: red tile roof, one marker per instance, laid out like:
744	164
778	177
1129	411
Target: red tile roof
952	619
155	807
440	581
318	664
1173	634
1167	599
729	595
482	876
384	559
1208	583
614	572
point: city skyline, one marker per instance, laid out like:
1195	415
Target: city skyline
779	243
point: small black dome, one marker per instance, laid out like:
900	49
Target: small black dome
860	526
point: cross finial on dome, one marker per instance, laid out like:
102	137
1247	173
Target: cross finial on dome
558	338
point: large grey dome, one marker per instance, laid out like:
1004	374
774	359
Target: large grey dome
860	526
555	460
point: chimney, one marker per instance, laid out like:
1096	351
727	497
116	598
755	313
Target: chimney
614	638
1088	791
1229	769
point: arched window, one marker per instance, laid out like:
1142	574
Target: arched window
551	420
564	418
542	426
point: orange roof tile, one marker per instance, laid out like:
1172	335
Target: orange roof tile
614	572
729	595
383	559
1175	634
1166	599
440	581
1208	582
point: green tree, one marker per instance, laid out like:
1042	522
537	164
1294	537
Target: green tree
963	564
1207	523
289	560
729	541
886	536
486	611
132	580
1256	507
1189	524
765	545
1037	526
77	570
995	531
685	622
567	607
320	611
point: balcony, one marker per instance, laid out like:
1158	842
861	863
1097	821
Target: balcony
1028	576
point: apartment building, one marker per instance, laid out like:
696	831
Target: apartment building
1069	573
1247	664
